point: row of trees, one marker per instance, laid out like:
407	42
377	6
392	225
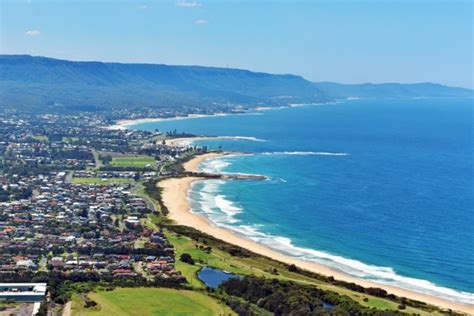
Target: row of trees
241	252
290	298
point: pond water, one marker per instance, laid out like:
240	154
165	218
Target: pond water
214	277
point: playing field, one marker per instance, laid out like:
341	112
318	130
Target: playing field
101	181
151	301
132	161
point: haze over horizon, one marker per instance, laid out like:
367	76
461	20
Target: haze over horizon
397	41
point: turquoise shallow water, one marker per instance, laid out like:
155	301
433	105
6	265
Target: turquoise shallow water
380	189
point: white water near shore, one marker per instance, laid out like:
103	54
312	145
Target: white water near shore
210	202
332	148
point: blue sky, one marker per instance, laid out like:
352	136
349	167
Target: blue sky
345	41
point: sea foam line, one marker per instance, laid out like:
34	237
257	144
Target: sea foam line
304	153
221	211
238	138
218	164
250	138
223	215
379	274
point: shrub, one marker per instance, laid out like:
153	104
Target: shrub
186	257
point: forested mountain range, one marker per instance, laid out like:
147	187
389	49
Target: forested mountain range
46	83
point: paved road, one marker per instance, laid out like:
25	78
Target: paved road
98	163
147	199
150	203
68	177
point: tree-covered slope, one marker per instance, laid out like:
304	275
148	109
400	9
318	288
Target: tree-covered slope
391	90
46	81
29	82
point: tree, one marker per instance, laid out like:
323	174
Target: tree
292	268
4	196
186	257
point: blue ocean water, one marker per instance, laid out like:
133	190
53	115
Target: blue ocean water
380	189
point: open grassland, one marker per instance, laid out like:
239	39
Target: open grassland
101	181
132	161
70	139
41	138
150	301
260	266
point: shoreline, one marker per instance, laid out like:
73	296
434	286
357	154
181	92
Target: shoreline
187	141
175	197
124	124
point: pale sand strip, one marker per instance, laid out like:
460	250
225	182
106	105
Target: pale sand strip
123	124
193	164
187	141
175	191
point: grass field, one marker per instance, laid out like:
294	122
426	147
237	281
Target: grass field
41	138
70	139
101	181
150	301
132	161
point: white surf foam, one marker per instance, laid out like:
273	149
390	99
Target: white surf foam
214	165
304	153
226	206
218	165
189	142
211	203
221	211
379	274
322	153
249	138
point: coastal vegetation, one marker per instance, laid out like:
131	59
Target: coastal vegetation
290	298
209	251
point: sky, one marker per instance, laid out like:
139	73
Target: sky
348	41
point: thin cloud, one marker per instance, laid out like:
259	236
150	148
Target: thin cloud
32	33
200	22
144	7
188	4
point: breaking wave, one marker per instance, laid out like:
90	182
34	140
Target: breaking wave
207	199
253	139
305	153
382	275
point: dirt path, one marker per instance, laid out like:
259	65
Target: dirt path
67	311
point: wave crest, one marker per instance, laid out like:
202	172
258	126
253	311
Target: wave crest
221	211
304	153
379	274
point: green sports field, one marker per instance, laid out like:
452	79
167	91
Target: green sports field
132	161
151	301
101	181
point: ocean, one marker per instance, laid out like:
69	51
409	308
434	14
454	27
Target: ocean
379	189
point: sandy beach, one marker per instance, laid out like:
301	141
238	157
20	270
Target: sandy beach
186	141
123	124
175	197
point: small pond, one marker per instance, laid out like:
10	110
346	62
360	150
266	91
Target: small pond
214	277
